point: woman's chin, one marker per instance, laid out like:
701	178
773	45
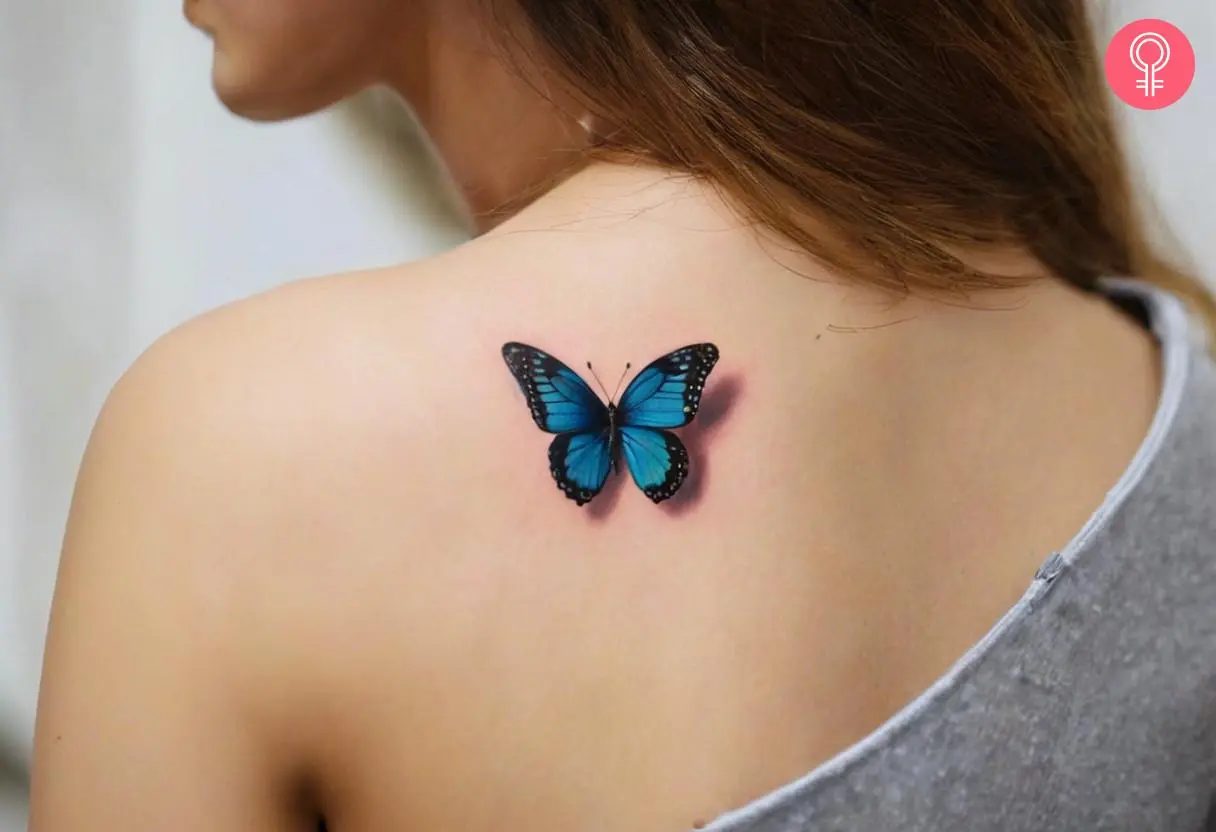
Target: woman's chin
240	101
243	99
237	90
243	96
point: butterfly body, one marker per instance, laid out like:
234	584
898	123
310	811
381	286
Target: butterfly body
593	436
614	438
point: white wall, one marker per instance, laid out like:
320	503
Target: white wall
1173	147
130	201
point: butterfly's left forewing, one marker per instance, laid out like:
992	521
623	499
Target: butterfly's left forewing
559	400
667	392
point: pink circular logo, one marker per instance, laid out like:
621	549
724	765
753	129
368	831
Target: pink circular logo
1150	64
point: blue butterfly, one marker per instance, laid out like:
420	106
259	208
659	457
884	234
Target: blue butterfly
592	436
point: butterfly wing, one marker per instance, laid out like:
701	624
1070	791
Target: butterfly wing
560	401
580	456
580	463
657	460
667	392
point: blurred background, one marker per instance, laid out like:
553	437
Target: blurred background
131	201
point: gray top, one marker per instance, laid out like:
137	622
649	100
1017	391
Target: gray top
1092	704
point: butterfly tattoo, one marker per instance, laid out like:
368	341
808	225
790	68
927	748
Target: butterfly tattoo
593	436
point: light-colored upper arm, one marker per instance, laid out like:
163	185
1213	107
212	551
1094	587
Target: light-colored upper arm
144	719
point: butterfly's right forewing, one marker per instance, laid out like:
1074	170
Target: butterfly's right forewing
667	392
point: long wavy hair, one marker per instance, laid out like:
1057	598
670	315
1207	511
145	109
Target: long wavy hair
882	137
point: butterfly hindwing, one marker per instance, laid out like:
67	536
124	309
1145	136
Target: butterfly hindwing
580	463
657	460
560	401
667	392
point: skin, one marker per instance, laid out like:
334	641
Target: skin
315	561
500	132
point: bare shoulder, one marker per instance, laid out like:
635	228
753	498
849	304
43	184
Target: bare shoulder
271	427
274	405
250	484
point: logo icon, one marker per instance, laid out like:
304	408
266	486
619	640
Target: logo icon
1150	64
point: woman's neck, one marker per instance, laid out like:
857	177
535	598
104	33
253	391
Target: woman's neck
690	225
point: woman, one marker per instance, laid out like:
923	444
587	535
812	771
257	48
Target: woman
917	533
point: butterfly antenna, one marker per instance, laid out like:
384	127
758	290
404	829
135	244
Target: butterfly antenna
597	381
624	373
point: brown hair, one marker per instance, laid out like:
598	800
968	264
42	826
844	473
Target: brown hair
910	129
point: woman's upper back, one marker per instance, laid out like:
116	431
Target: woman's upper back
318	562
